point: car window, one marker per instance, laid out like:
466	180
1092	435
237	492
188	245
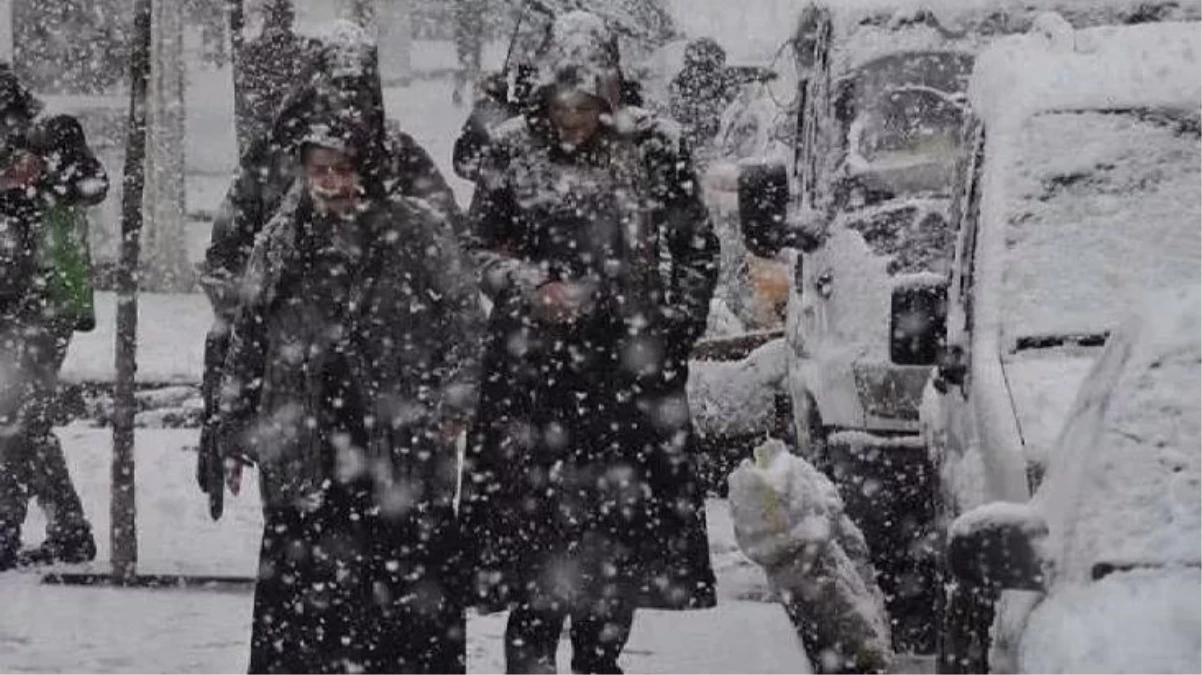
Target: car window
901	118
1100	207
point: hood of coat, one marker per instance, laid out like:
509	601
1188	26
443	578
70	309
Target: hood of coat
338	100
581	54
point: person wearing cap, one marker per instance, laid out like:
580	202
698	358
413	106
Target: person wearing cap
350	375
580	495
47	172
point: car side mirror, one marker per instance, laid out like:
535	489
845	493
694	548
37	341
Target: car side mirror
763	206
996	546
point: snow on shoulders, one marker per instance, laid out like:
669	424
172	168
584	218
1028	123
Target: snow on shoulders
511	129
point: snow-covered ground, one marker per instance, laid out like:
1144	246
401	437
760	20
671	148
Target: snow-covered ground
74	629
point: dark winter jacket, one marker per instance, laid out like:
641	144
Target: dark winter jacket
488	111
580	465
389	311
71	175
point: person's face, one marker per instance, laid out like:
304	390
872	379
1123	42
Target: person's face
576	116
333	180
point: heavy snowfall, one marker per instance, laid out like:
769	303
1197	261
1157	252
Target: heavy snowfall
658	336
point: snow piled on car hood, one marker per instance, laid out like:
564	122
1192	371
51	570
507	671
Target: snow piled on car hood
1125	485
1143	621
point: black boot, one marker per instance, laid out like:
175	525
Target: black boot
68	545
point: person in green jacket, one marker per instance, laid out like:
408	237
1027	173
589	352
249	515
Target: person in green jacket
47	176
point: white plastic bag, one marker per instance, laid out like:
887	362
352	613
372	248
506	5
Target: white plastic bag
788	517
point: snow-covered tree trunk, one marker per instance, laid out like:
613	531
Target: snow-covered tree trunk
122	506
394	35
165	264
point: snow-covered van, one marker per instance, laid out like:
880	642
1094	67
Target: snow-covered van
1099	572
1076	194
860	212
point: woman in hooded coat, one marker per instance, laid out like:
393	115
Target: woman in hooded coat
351	371
343	65
580	497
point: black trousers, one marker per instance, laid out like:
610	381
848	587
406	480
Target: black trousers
32	464
333	597
598	632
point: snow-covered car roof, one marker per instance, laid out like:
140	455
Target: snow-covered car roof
1122	489
961	15
1108	67
879	27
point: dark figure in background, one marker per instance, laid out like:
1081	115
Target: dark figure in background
580	496
268	170
47	167
469	18
701	91
490	109
351	374
269	67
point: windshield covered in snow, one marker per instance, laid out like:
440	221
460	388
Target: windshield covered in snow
1100	207
902	117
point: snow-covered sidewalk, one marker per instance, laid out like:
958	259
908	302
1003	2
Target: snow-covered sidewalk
52	628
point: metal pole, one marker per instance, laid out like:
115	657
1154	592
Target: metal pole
122	508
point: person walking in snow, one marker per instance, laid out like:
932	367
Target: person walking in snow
343	62
701	91
580	496
48	172
351	374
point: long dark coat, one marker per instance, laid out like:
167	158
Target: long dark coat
353	357
580	483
